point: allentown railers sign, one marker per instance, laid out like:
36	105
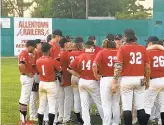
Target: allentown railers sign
29	29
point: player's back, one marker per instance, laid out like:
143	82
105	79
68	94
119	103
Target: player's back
85	61
73	54
134	58
47	66
156	63
55	49
106	60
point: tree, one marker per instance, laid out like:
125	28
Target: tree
15	7
132	10
76	8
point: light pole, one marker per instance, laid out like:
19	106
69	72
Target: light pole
86	9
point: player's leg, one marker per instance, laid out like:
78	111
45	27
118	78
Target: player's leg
127	97
52	99
106	99
84	97
42	102
77	104
161	103
27	83
157	111
45	118
139	93
94	91
115	109
150	96
68	103
60	103
134	114
33	106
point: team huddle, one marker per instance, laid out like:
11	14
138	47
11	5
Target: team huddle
123	79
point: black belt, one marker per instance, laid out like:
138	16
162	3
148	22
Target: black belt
106	76
37	73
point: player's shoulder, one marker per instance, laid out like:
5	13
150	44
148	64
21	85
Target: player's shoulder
155	51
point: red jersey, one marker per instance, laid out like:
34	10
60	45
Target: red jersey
156	63
105	60
37	55
25	57
47	66
97	49
83	65
134	57
55	49
73	54
64	61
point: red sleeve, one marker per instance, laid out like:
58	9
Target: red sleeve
51	53
120	55
74	65
57	65
146	59
98	59
23	58
64	60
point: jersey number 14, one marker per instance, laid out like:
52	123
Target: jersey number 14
86	65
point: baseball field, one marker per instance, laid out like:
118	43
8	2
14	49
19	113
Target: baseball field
11	93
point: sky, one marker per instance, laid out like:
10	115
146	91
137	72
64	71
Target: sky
147	3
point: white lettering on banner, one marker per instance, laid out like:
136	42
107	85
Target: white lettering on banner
30	29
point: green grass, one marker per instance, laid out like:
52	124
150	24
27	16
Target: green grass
11	92
10	89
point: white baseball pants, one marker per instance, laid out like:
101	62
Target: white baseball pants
34	97
68	103
26	89
59	108
47	92
110	102
156	89
131	88
76	94
89	88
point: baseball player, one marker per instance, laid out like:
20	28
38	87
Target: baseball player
34	94
156	88
88	86
49	37
97	48
69	38
104	62
66	79
132	63
55	53
76	51
26	79
46	67
118	40
110	36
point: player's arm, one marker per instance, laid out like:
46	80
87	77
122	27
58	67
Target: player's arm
147	69
95	71
22	67
117	69
73	72
96	63
159	47
147	74
57	65
73	68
